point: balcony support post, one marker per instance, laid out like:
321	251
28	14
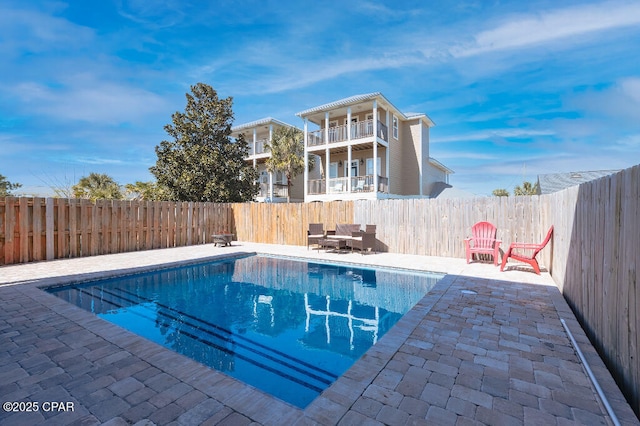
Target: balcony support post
375	121
375	151
349	167
254	140
348	124
306	160
327	160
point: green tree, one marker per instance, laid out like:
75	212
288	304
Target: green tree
6	187
97	186
287	154
526	189
150	191
500	192
203	163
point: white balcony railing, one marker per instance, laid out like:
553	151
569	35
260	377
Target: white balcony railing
262	146
339	185
359	130
280	190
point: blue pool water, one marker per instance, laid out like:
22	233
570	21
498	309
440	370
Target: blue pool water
288	327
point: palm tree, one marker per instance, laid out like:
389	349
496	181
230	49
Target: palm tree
97	186
527	189
287	154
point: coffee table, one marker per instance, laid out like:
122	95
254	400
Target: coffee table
222	239
335	243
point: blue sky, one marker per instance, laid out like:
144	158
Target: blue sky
515	88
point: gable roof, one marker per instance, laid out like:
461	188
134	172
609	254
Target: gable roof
554	182
439	165
260	122
356	99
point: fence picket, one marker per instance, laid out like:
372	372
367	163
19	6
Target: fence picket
593	255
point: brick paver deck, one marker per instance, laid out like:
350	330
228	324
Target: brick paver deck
482	348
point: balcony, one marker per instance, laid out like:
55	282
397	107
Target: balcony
262	147
359	130
280	190
339	185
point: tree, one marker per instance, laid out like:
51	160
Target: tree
6	187
150	191
97	186
526	189
203	163
500	192
287	154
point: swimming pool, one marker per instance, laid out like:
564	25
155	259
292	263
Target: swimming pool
285	326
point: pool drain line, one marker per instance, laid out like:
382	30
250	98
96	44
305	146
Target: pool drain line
613	416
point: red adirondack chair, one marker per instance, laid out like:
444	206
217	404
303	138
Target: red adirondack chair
518	251
483	241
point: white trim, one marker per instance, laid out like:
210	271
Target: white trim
395	124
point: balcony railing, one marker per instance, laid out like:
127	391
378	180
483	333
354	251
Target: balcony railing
359	130
339	185
280	190
262	146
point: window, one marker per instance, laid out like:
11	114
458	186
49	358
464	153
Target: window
370	166
395	127
369	128
333	170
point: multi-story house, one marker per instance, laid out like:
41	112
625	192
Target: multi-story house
368	149
273	185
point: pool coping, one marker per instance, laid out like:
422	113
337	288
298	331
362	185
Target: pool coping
331	405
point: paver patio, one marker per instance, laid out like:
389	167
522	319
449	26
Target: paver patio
483	347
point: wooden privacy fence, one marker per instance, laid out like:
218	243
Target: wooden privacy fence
596	253
33	229
592	257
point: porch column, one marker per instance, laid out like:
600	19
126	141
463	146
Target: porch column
326	127
270	173
253	143
375	121
349	167
306	161
348	123
255	138
375	149
327	160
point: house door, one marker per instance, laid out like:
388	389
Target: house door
333	170
354	168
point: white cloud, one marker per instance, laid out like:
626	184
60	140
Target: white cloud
86	99
551	26
34	31
493	133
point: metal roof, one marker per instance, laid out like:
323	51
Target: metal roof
439	165
342	102
261	122
363	97
554	182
